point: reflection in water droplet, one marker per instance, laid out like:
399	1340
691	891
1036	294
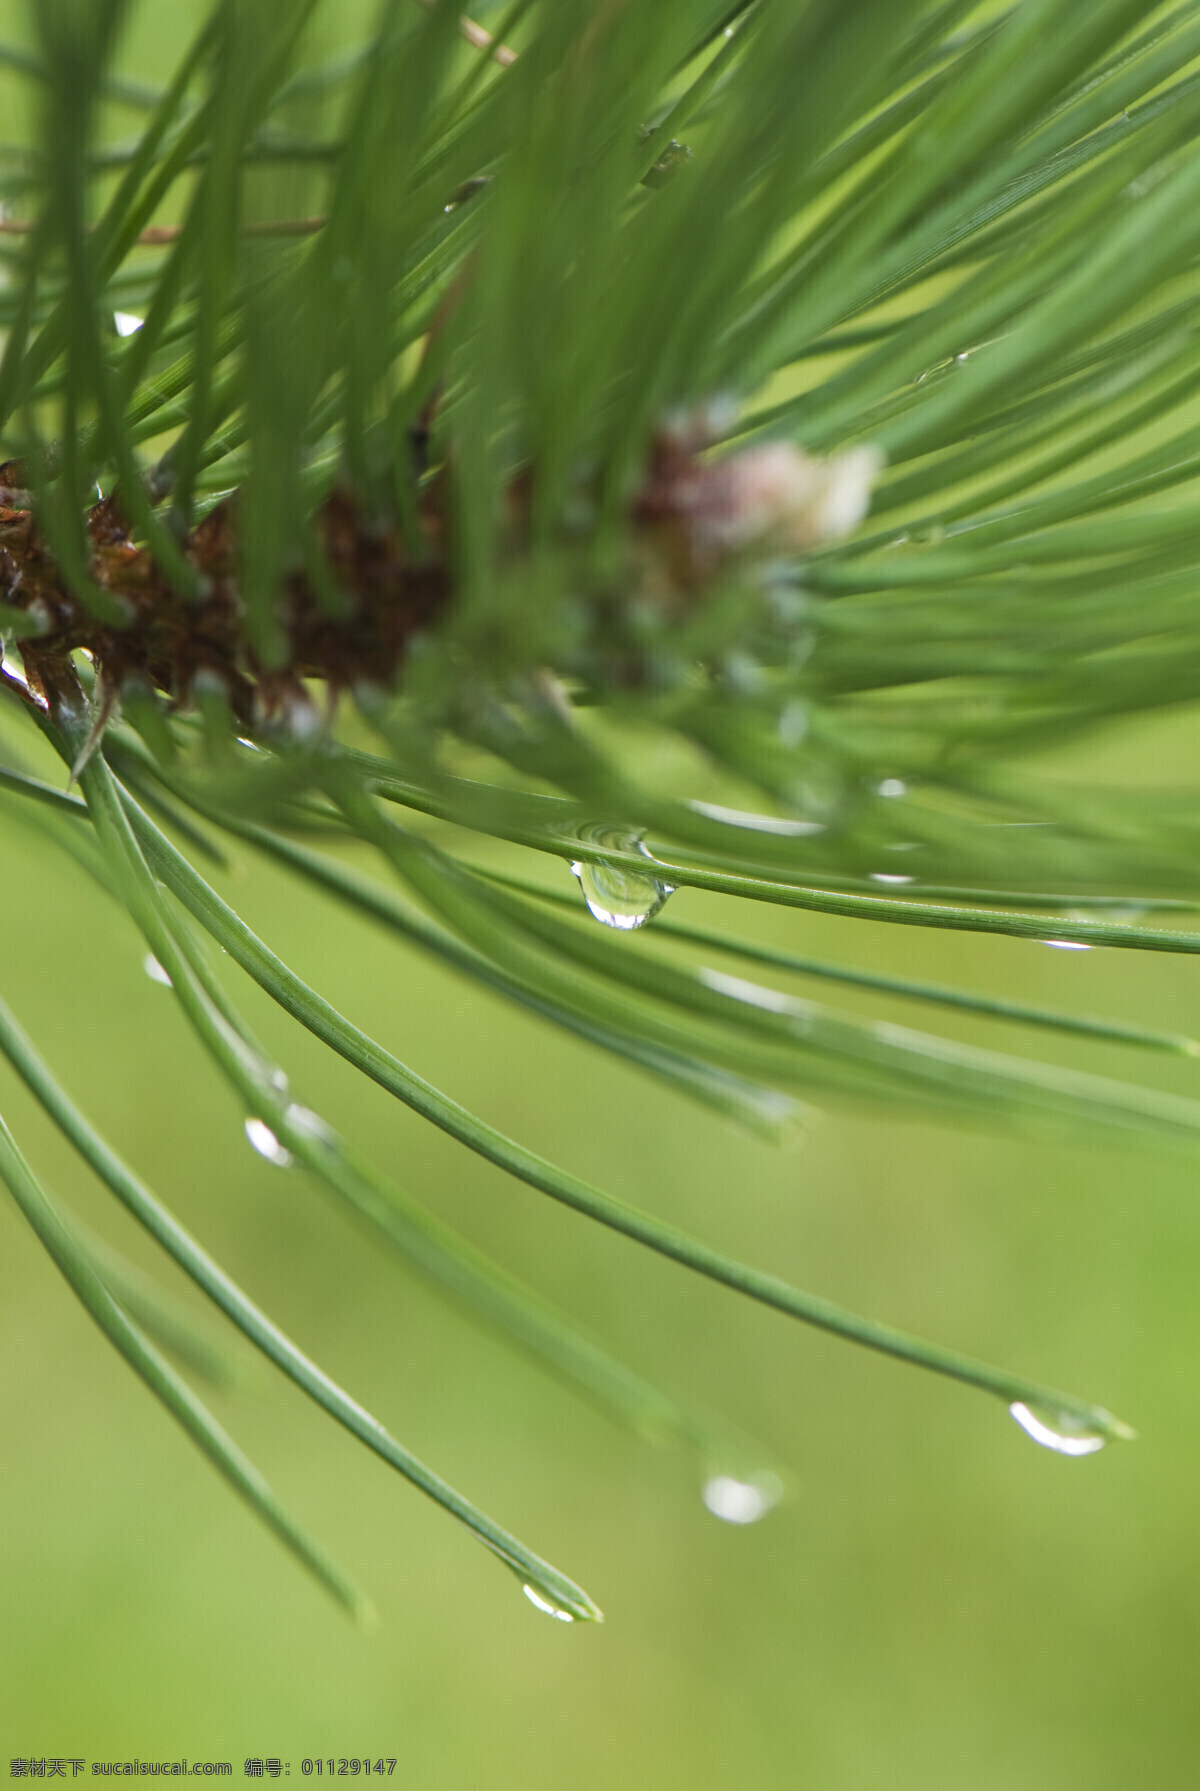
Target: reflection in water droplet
1066	944
544	1604
890	877
617	897
155	971
126	324
741	1501
893	786
1060	1436
263	1140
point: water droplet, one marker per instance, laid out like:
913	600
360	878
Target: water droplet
466	191
1066	944
545	1604
890	877
741	1501
617	897
675	156
155	971
263	1140
1064	1435
893	786
305	1120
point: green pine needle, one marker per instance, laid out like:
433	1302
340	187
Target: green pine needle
711	447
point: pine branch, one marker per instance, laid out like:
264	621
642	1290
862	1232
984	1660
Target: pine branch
808	389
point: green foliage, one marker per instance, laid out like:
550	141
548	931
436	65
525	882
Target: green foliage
488	460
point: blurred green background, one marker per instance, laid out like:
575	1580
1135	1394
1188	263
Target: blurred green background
938	1604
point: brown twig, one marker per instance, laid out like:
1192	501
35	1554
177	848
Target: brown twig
483	40
479	38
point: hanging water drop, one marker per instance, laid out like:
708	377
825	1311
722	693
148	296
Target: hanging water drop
1062	1434
155	971
263	1140
737	1501
616	897
544	1604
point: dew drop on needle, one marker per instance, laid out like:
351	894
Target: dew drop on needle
737	1501
617	896
263	1140
545	1604
1057	1432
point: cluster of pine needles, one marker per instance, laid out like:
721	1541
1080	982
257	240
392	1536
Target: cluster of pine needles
407	431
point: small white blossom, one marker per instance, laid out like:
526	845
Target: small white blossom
780	496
